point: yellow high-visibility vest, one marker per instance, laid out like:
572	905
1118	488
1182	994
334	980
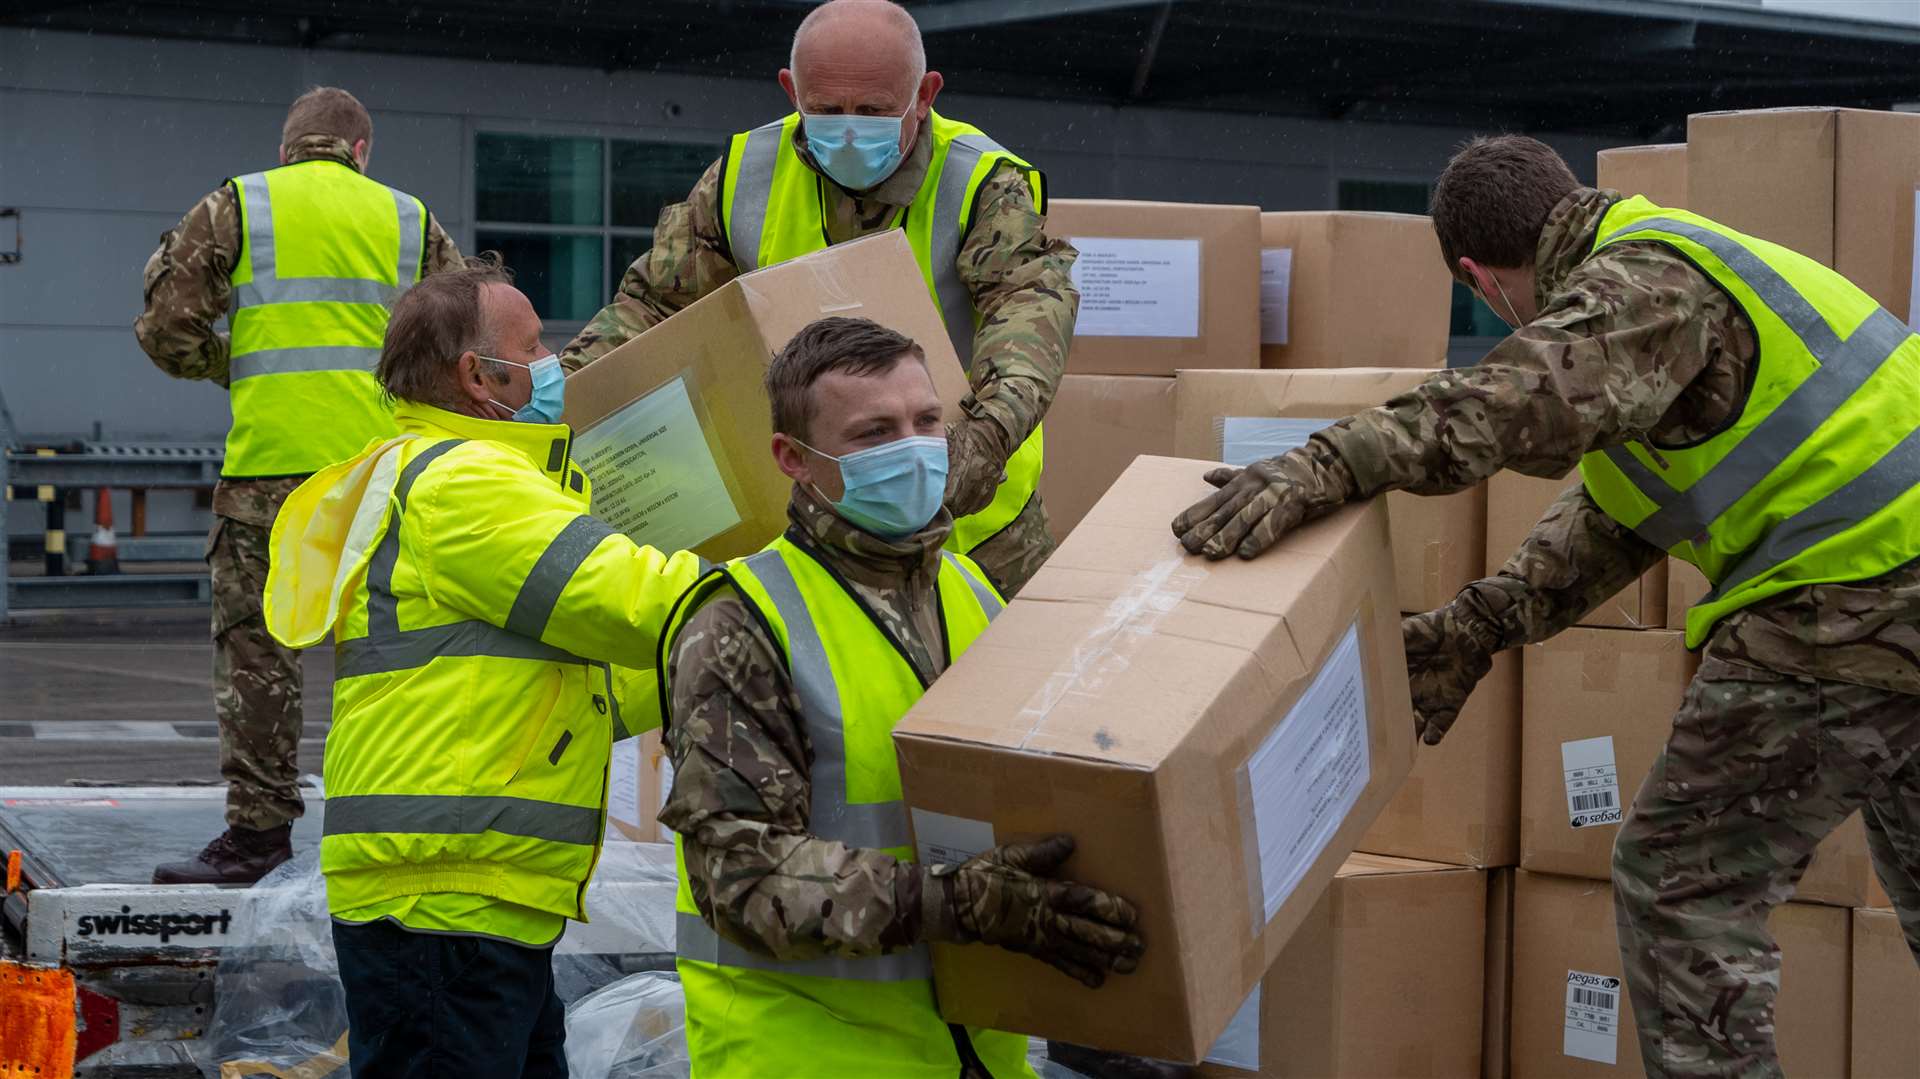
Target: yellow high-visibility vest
1817	478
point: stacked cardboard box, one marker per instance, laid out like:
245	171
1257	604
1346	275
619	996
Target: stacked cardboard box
1515	504
1098	424
1886	1040
1657	172
1321	279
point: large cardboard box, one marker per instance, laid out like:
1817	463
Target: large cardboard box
1242	416
1886	999
1322	275
1598	707
1163	285
1496	1028
637	788
1686	586
1514	505
673	427
1461	802
1215	735
1572	1017
1658	172
1836	185
1383	979
1098	424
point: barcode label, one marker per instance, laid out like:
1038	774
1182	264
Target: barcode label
1593	782
1592	1028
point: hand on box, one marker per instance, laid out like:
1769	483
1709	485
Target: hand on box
1008	897
1447	655
1258	504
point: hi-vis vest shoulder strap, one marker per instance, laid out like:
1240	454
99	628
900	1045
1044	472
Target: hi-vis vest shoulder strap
324	251
1817	478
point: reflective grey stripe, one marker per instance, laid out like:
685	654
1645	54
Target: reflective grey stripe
412	236
866	824
383	618
462	814
620	730
534	604
1893	475
285	361
752	191
1649	481
259	215
1844	368
313	290
694	939
943	248
989	602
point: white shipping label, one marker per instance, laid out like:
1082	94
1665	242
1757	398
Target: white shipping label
1306	776
666	782
1276	283
939	838
1239	1045
1913	293
623	782
1246	439
654	477
1593	1017
1593	782
1137	288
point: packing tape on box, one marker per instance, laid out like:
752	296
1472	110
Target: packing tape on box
1106	650
1246	439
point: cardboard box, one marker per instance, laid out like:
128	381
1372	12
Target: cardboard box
1322	276
1514	505
673	427
1461	802
1564	939
1836	185
1384	978
1496	1029
1216	736
1598	707
1657	172
1242	416
637	784
1886	1040
1686	586
1163	285
1098	424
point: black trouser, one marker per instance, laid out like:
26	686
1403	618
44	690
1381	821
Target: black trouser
433	1005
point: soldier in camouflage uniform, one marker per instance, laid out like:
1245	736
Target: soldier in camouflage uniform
257	681
1806	706
742	782
1019	278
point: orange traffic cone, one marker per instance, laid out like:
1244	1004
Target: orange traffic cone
103	555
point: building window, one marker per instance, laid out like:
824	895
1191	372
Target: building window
570	213
1471	318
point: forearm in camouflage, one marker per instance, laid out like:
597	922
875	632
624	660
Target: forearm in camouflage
442	253
186	287
688	259
1575	559
741	801
1021	281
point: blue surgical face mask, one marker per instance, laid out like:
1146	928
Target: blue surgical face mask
857	151
893	489
549	398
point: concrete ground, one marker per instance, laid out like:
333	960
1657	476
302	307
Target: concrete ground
123	696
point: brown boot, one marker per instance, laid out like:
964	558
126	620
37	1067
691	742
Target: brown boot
236	856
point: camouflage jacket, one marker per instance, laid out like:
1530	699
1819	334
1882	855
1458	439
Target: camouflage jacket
188	287
1019	277
1630	344
742	762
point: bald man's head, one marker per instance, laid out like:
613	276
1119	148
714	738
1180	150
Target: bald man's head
863	33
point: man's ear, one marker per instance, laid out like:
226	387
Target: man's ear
363	152
472	376
792	88
791	459
930	86
283	153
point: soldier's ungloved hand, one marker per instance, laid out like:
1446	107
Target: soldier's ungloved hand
1258	504
1007	897
1448	652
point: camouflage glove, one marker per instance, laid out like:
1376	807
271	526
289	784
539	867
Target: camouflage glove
976	463
1448	652
1006	897
1258	504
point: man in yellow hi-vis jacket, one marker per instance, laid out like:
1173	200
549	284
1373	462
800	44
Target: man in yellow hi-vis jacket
485	628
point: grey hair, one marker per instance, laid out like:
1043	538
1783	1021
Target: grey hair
832	9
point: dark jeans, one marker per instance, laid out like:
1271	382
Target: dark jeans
432	1005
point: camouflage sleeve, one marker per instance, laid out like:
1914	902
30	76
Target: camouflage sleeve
688	259
1575	559
1635	326
741	804
442	253
186	287
1023	292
